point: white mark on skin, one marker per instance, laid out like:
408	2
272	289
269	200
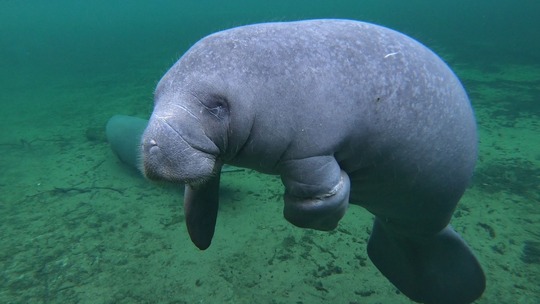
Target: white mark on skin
391	54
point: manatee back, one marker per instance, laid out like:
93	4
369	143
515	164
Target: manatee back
352	86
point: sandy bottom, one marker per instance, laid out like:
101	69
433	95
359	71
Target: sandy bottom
79	227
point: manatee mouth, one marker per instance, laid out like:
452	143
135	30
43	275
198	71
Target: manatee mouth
177	164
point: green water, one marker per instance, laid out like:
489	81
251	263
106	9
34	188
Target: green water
79	227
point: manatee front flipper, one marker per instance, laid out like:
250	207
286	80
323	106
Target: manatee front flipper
201	204
316	192
436	269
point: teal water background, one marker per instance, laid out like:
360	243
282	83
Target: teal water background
77	227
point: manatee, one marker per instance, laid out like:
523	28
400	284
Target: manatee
124	136
345	112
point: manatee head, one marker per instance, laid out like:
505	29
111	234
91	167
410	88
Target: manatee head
185	134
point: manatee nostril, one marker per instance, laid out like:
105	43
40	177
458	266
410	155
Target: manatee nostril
150	146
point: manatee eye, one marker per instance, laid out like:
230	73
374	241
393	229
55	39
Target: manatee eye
217	111
217	106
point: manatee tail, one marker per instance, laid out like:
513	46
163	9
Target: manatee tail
439	269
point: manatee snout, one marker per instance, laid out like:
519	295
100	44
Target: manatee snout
152	156
169	156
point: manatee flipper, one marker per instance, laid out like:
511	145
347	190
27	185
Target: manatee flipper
124	135
201	204
316	192
437	269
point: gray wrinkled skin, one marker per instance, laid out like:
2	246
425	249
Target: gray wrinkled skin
345	112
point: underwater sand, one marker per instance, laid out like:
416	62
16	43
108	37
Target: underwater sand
77	226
